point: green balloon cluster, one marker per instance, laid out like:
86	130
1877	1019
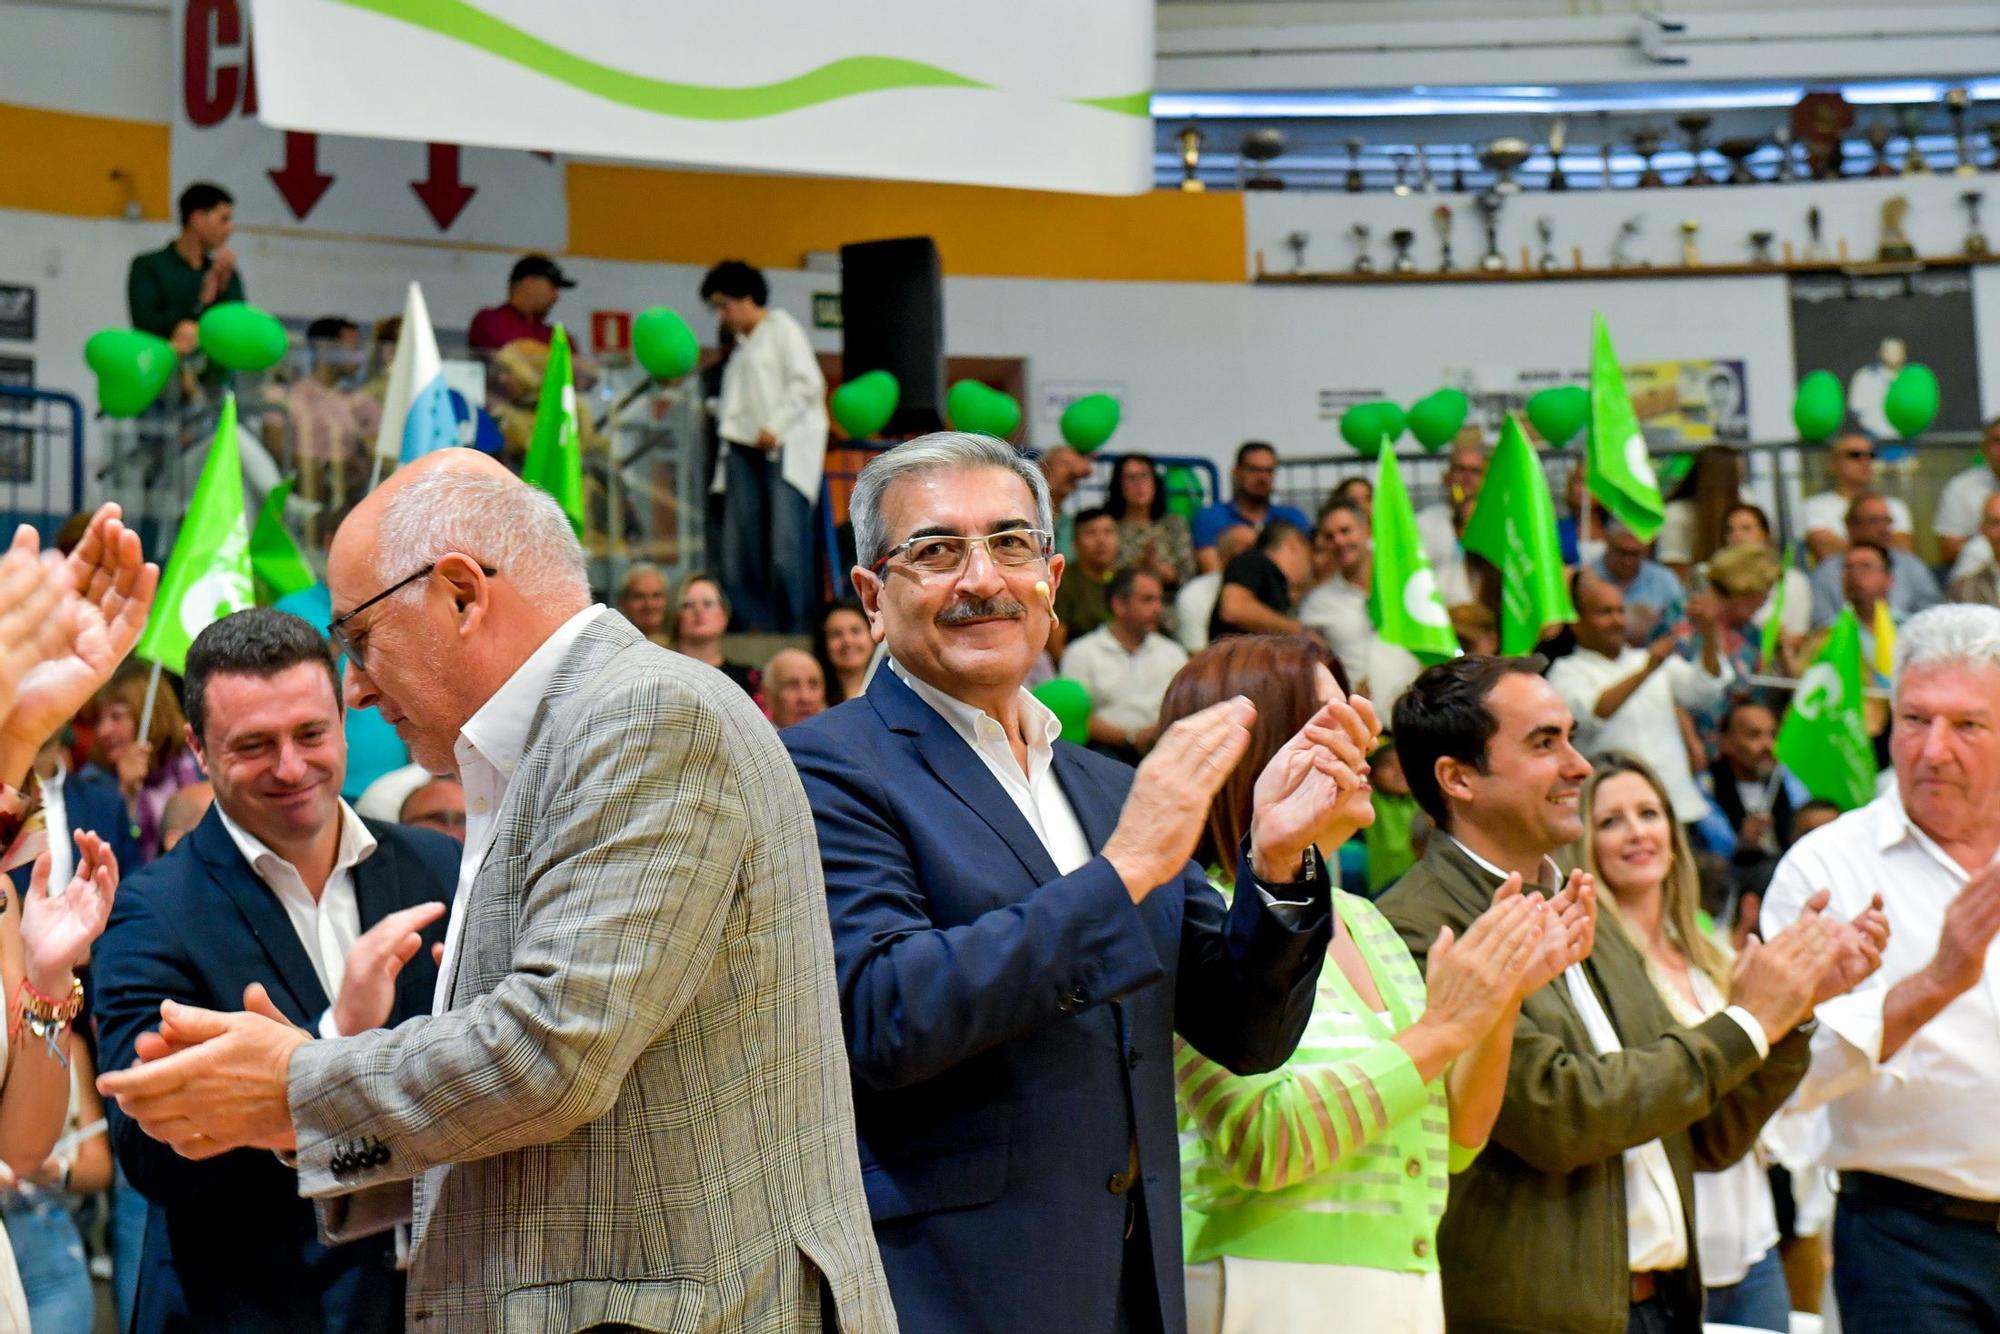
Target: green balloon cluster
1435	419
1183	492
240	337
1089	422
982	409
1559	413
1912	401
1820	406
864	405
1369	426
131	366
663	343
1069	701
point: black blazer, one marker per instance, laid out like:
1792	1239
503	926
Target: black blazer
229	1243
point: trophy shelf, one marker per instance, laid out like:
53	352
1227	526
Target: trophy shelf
1575	272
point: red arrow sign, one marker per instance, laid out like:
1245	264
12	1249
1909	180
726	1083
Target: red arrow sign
300	181
444	196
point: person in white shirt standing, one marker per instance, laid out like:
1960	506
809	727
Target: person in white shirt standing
1908	1066
1338	607
773	424
1126	665
1851	468
1957	520
1624	697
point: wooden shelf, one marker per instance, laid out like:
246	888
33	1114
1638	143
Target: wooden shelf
1852	268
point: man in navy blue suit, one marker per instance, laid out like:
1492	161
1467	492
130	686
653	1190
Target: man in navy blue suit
1018	930
281	900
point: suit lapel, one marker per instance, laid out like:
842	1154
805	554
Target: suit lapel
375	885
1095	810
266	918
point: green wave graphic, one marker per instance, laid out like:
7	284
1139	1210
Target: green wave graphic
850	77
1128	104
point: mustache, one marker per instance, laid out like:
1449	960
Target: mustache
980	609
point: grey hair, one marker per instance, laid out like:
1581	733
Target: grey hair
941	451
637	569
1957	634
503	522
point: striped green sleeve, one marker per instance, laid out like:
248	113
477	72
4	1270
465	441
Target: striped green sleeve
1462	1157
1274	1130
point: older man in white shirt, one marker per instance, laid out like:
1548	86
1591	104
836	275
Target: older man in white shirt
1126	665
1624	697
1908	1065
772	420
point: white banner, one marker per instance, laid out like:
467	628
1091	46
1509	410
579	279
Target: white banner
1039	94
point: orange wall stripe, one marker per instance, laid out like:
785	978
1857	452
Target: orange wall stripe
61	162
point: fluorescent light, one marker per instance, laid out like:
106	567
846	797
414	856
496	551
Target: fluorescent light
1433	101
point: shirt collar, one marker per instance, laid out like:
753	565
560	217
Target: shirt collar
1552	877
498	733
357	845
1039	725
1893	825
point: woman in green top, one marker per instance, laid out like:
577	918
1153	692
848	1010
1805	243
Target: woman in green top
1312	1193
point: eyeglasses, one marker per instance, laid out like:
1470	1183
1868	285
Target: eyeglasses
1855	454
350	645
947	553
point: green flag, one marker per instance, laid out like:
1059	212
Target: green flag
277	565
555	454
1403	598
1767	646
1824	739
208	572
1514	526
1617	469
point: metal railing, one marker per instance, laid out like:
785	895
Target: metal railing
41	457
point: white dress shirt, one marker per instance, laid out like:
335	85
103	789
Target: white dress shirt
1125	687
55	816
1339	611
327	926
1438	533
1962	500
773	383
1193	606
1926	1114
1644	724
1827	512
488	748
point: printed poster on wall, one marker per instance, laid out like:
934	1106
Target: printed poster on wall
1867	328
1682	404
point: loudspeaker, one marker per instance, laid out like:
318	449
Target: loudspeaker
892	319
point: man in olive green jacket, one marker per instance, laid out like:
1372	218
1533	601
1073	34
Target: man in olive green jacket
1603	1087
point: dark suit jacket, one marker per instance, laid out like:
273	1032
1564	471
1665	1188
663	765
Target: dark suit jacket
229	1243
1534	1237
92	802
1010	1030
1722	787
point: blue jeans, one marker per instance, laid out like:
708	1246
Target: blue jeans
1760	1300
766	564
1898	1271
49	1254
126	1240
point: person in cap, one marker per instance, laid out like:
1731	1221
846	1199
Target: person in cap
532	289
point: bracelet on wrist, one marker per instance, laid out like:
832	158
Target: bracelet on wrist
46	1017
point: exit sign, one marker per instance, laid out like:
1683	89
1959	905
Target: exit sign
826	310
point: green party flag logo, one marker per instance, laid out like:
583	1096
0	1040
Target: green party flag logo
1824	739
555	453
1616	467
1403	598
1513	525
208	572
277	565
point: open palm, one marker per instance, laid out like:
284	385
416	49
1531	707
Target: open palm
1315	789
57	929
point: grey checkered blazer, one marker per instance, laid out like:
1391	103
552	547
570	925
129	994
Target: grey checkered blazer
639	1086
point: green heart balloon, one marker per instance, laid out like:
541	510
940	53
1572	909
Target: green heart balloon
1559	413
1362	427
1912	401
1183	492
241	337
132	367
663	343
1435	419
1393	420
864	405
1069	701
1820	406
1089	422
982	409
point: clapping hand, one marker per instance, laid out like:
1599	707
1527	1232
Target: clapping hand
33	589
57	929
1571	933
1858	947
1315	789
368	988
1167	807
1470	982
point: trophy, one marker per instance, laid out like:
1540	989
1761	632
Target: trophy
1500	157
1815	243
1690	257
1975	240
1695	126
1911	121
1760	247
1819	122
1426	182
1737	152
1403	238
1191	140
1645	143
1489	203
1401	189
1441	224
1787	168
1358	234
1262	146
1957	101
1628	231
1604	161
1878	135
1558	138
1296	242
1895	242
1545	228
1354	166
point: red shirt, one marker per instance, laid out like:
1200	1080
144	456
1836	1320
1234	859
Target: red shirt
496	326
